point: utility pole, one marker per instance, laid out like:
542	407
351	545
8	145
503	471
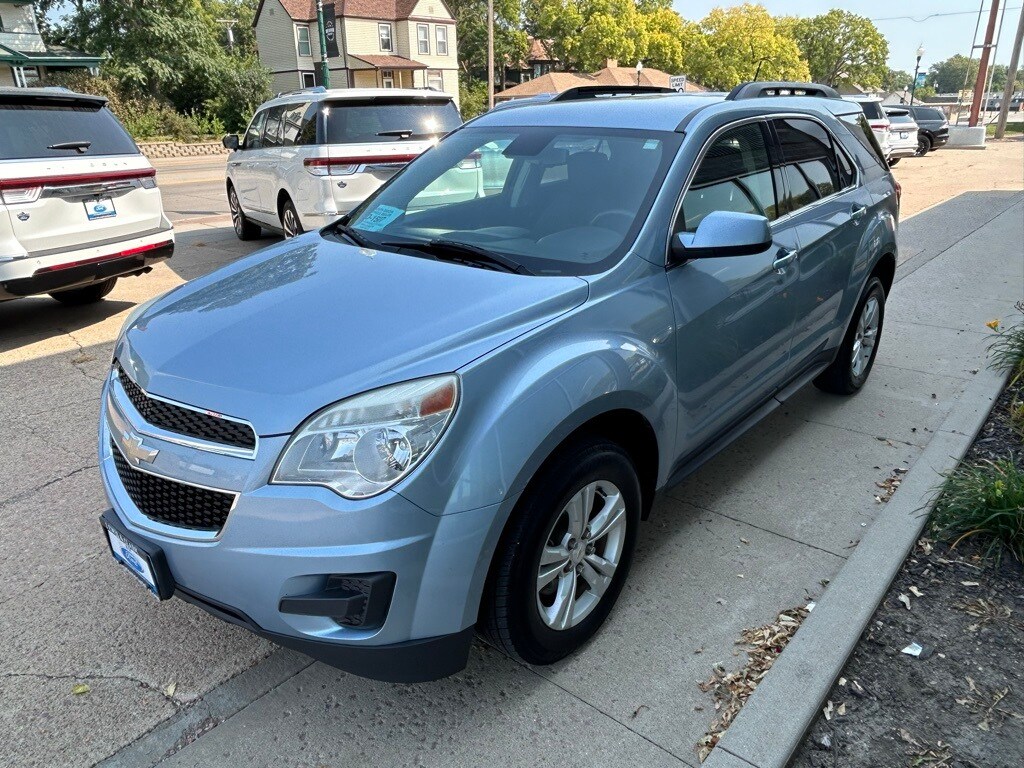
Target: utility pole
1011	77
986	49
325	72
490	54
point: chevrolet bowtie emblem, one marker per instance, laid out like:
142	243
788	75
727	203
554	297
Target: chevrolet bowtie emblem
136	451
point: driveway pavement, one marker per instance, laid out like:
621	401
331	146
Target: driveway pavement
757	530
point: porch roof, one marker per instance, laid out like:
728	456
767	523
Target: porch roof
51	57
366	61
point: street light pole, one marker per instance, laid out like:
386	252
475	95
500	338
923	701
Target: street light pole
490	55
325	72
917	68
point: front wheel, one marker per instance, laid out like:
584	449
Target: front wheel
564	558
244	229
848	372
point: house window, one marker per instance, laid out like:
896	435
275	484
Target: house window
384	32
308	79
435	79
423	38
302	40
441	36
387	78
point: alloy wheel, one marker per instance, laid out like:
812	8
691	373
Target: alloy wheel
291	222
865	338
581	552
236	213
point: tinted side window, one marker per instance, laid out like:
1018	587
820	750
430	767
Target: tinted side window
861	130
292	123
272	131
254	135
810	160
735	175
872	109
307	130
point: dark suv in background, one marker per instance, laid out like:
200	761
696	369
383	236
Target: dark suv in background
932	128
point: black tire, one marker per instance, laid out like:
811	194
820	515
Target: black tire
894	160
924	146
510	616
244	228
88	294
841	377
291	225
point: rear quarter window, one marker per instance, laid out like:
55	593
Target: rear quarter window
872	110
861	130
30	127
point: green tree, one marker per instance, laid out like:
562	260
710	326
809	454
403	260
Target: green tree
743	43
949	75
897	80
583	33
842	47
510	41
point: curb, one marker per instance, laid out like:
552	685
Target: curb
773	722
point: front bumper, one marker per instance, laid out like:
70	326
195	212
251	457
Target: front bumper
280	542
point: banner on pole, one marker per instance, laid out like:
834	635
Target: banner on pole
330	30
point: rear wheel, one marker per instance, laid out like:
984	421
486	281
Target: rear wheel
856	356
88	294
893	161
924	146
244	229
563	560
290	223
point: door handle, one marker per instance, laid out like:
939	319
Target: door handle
783	258
858	211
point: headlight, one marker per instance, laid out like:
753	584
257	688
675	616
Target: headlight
364	445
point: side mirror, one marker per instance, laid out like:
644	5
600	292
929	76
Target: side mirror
724	233
230	141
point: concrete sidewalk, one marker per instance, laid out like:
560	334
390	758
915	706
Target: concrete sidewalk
755	531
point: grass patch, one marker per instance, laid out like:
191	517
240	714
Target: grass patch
1006	353
986	501
1011	128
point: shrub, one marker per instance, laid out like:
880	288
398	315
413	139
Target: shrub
242	87
472	99
1007	351
984	500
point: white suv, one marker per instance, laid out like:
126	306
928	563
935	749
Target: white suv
312	155
877	119
79	205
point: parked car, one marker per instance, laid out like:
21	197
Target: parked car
902	134
312	155
932	128
877	119
368	441
79	205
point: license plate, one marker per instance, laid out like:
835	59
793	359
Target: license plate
904	135
103	208
133	559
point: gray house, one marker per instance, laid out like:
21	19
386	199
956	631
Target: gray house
382	44
24	58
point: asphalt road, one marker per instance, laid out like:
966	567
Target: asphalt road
757	530
192	187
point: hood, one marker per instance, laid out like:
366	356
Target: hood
298	326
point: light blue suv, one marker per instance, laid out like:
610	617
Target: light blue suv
438	417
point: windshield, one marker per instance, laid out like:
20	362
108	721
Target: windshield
360	121
559	201
42	128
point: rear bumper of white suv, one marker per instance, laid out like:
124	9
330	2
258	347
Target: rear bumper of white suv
37	273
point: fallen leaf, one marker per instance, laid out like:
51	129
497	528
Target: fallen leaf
841	709
917	592
905	600
79	688
842	681
744	541
970	584
983	725
170	689
827	711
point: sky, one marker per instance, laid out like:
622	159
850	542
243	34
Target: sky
942	36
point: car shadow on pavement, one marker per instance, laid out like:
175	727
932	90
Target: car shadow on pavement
40	315
200	251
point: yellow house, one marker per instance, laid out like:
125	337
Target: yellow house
382	44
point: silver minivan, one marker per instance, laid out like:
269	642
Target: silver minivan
313	155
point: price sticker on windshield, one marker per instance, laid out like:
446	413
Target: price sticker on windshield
379	218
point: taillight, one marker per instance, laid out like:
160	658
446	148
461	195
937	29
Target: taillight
470	162
20	195
327	166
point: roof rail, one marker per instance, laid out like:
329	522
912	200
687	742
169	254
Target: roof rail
763	89
314	89
581	92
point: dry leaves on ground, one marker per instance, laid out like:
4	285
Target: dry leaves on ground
890	484
731	690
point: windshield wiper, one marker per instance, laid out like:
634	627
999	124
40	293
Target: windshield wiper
79	146
350	234
464	253
402	133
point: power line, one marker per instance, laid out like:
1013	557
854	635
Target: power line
922	19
